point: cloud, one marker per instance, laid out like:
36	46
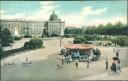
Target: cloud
15	16
104	21
2	12
43	14
80	18
89	11
73	20
45	11
76	19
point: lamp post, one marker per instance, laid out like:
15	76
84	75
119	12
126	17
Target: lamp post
61	36
60	41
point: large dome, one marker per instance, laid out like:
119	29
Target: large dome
53	17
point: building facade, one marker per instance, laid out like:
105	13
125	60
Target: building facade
35	28
23	27
54	26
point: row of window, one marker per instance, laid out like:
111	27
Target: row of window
18	25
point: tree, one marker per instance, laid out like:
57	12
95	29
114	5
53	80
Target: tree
0	31
1	51
109	29
27	36
54	35
34	43
6	32
122	40
6	37
75	31
114	40
79	40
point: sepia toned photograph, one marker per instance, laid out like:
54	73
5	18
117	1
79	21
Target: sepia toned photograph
64	40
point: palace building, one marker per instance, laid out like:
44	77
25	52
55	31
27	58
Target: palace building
54	26
34	28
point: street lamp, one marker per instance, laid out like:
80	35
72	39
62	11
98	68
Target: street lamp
60	41
61	36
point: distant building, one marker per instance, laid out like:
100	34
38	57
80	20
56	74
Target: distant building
70	28
54	25
23	27
34	28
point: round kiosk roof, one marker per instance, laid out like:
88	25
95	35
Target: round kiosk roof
79	46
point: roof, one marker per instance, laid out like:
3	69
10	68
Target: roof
19	20
79	46
53	17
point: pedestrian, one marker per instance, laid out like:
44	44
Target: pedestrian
87	64
67	60
88	61
113	68
76	64
62	62
106	64
118	66
117	54
26	59
58	67
118	60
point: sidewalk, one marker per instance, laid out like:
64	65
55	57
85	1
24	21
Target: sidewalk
105	76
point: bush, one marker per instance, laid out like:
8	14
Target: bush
79	40
91	37
1	51
6	37
7	40
26	45
54	35
6	32
17	38
33	43
67	35
122	41
27	36
42	36
71	35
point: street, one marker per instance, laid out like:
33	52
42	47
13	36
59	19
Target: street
44	65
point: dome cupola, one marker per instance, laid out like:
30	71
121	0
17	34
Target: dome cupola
53	17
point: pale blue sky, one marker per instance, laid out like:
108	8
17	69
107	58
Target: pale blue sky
85	11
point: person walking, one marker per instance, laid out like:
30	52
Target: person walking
76	64
114	68
106	64
62	62
118	66
58	67
88	62
26	59
117	54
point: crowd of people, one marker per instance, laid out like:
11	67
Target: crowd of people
79	54
75	58
115	67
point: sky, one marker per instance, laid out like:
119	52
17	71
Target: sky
74	13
